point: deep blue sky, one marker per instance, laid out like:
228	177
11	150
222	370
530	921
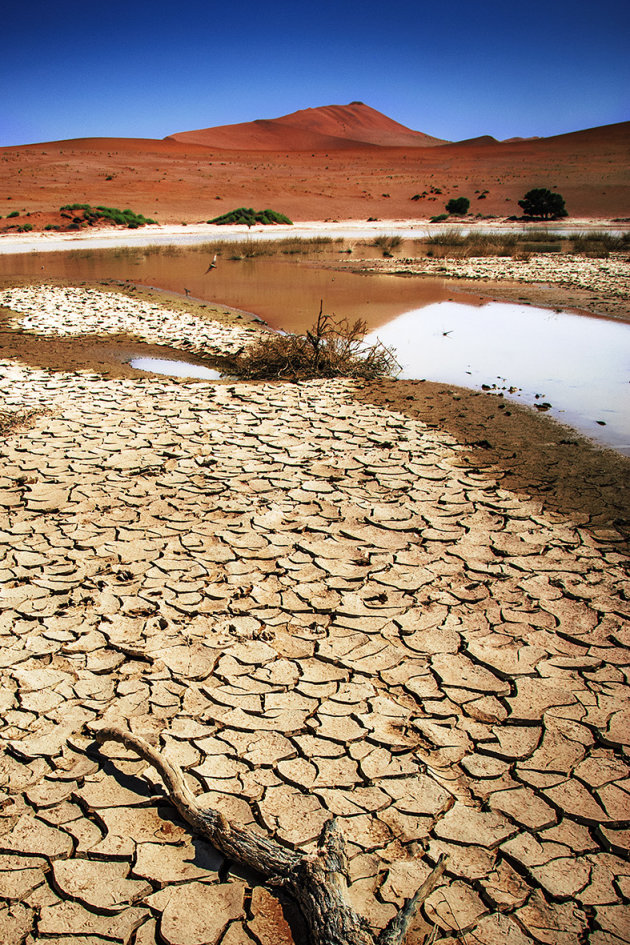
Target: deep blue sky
454	70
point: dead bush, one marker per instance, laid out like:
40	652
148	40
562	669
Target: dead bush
332	348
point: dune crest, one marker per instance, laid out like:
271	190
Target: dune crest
329	127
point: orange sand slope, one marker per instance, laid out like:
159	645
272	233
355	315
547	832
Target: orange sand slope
354	178
327	128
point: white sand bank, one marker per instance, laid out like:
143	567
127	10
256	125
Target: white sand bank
112	237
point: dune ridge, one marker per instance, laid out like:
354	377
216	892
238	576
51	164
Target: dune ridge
304	167
329	127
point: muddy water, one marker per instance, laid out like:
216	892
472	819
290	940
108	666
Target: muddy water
285	291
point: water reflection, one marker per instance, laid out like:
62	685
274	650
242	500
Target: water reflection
579	365
174	368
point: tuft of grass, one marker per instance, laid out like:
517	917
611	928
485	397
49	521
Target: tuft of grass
316	244
249	217
540	236
600	244
248	249
332	348
447	238
518	245
387	244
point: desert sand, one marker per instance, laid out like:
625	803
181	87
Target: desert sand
177	181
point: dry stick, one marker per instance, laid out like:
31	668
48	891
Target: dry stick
317	881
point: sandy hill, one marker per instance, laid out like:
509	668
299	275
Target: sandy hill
617	134
330	127
588	141
358	170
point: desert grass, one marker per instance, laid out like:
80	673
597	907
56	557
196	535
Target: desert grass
451	243
387	244
248	249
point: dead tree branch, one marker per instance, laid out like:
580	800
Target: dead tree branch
318	881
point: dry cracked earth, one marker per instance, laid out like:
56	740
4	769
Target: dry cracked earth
316	608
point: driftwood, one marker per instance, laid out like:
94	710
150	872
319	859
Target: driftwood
316	881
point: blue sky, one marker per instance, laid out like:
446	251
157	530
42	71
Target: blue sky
454	70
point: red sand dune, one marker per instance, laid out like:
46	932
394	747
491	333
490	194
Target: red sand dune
177	180
312	129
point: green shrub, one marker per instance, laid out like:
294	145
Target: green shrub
12	215
248	217
542	204
25	228
439	218
458	205
92	215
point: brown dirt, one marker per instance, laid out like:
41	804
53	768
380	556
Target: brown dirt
277	583
535	454
107	355
548	296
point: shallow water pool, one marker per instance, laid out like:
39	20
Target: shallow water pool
579	365
174	368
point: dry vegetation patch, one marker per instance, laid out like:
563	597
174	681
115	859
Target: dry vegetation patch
332	348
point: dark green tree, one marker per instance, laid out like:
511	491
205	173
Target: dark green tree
543	204
458	205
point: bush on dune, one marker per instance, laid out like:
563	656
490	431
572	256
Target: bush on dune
458	205
248	217
92	215
332	348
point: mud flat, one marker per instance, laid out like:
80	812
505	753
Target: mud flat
318	598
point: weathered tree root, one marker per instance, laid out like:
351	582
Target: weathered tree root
316	881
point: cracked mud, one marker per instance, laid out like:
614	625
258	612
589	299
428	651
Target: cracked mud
314	606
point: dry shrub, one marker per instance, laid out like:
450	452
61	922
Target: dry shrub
248	249
332	348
